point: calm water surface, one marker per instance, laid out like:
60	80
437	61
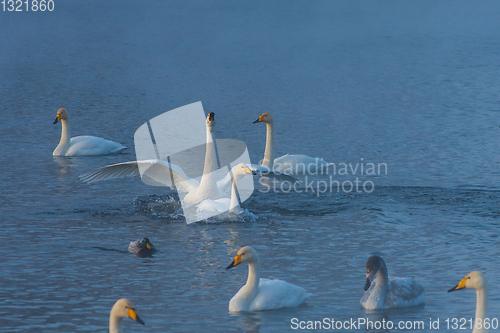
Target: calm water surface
411	85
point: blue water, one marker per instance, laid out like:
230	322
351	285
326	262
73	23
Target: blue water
413	85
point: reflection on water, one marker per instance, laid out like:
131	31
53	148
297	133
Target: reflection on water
248	321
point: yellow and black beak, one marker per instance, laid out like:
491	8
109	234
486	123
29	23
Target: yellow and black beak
58	117
132	314
460	285
249	171
236	262
211	116
261	118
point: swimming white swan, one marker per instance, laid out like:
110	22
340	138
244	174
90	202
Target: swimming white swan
475	280
162	171
263	294
82	145
289	164
389	292
123	308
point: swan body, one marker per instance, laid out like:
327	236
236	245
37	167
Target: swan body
82	145
475	280
263	294
123	308
389	292
289	164
142	248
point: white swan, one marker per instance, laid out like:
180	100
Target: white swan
389	292
82	145
123	308
475	280
289	164
263	294
162	172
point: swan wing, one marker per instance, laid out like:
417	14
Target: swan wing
404	292
276	294
272	173
158	170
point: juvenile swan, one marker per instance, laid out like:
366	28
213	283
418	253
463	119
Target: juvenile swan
263	294
290	164
475	280
389	292
123	308
82	145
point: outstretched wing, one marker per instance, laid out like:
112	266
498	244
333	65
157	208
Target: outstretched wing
159	171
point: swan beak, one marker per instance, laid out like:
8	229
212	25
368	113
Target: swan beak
367	284
58	117
460	285
261	118
247	170
132	314
211	116
236	262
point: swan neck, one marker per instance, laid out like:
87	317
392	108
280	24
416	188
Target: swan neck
253	276
210	161
481	307
115	324
63	145
235	205
269	152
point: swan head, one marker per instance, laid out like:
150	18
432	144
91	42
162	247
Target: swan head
62	114
124	308
241	170
266	117
211	121
473	280
245	255
373	265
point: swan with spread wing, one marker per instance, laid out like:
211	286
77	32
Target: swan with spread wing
163	172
